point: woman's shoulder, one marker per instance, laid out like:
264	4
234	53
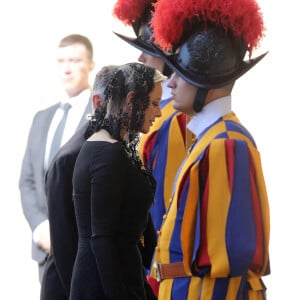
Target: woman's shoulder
105	150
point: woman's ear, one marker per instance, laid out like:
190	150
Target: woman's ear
96	101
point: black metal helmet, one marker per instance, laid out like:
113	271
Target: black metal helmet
210	58
209	40
138	13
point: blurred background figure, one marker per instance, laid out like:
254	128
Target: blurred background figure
50	129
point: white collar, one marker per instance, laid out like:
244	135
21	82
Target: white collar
209	114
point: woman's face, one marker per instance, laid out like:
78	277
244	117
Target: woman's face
153	111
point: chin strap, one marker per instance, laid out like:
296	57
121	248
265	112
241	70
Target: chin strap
167	71
200	99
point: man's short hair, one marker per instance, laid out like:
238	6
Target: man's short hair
102	79
77	39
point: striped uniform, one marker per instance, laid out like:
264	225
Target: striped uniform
218	222
162	151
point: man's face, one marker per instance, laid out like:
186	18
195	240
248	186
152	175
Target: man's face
151	61
74	66
183	94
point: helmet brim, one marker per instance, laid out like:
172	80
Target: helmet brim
139	44
205	81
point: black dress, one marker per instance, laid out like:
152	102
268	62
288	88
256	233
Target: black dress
112	198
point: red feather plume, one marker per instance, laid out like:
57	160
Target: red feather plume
171	19
129	11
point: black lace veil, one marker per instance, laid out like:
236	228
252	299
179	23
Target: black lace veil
112	114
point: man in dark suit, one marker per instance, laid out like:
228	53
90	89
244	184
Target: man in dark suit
63	229
75	62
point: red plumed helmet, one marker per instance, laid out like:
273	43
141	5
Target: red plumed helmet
208	39
174	19
138	14
130	11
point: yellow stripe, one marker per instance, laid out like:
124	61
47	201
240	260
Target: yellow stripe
165	289
194	288
239	136
254	295
162	249
231	116
218	205
175	156
189	219
233	288
207	288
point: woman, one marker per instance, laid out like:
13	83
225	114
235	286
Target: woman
112	190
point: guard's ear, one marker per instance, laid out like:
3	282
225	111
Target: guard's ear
96	99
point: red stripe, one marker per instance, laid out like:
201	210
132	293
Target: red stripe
229	148
203	257
148	147
258	256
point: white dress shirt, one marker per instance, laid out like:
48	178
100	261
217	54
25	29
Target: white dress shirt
210	113
78	105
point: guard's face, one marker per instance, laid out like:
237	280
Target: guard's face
153	111
183	94
74	67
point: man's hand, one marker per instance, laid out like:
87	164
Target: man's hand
44	240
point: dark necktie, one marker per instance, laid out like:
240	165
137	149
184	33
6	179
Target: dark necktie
56	142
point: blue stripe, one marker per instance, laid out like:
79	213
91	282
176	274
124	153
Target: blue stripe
160	150
233	126
175	248
220	288
180	288
240	231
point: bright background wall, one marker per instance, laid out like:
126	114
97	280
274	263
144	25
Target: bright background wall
265	99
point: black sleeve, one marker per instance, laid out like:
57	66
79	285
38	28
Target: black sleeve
107	186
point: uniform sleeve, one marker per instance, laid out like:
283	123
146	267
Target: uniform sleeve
234	211
107	186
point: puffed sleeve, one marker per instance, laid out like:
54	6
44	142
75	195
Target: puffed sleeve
234	211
